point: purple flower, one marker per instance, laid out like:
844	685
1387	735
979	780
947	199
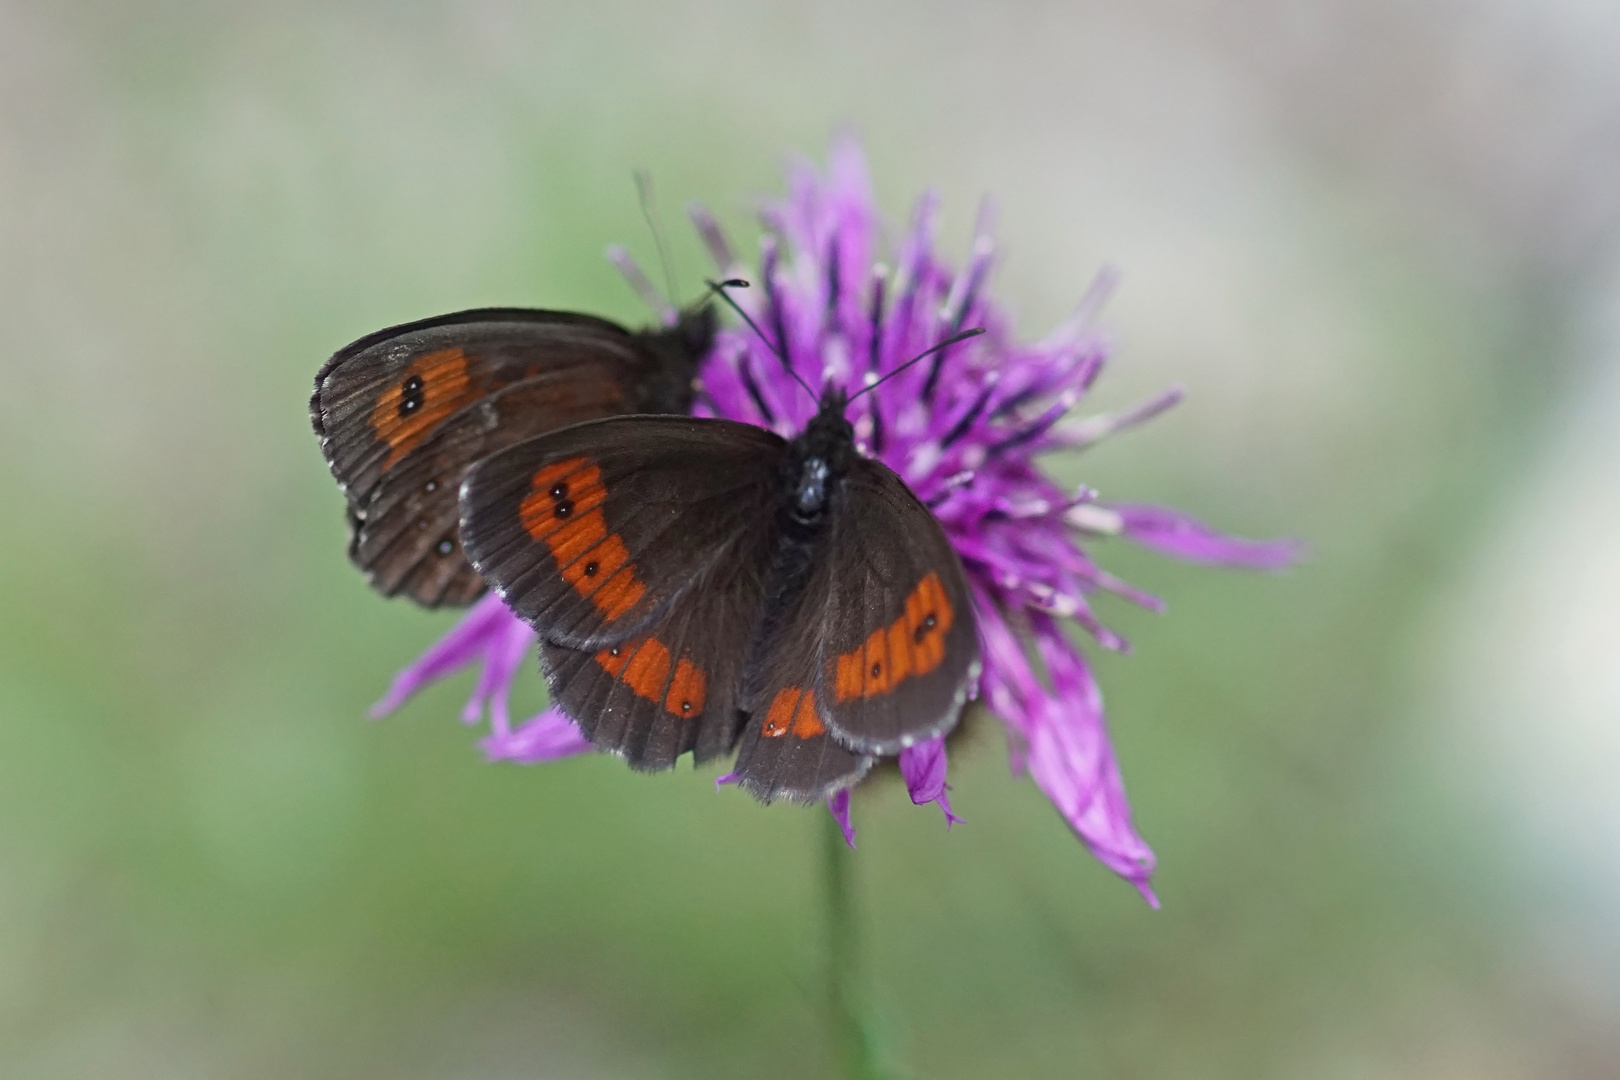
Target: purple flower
963	429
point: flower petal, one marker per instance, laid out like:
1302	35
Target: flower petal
1072	761
507	645
838	806
923	766
546	737
465	642
1185	537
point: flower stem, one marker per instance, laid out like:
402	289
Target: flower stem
852	1049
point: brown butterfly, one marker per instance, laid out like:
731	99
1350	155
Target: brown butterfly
402	414
703	585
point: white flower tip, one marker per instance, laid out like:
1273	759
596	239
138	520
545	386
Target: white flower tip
870	378
880	270
1095	519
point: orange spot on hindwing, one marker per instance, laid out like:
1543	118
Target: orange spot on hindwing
914	644
793	709
687	691
563	510
427	393
643	666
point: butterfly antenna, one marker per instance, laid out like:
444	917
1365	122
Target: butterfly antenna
719	289
649	211
947	343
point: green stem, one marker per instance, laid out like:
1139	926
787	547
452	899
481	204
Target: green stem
851	1046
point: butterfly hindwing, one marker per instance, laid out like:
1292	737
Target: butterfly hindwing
672	688
785	749
402	413
900	645
410	536
590	532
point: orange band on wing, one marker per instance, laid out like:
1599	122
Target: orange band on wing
687	691
563	510
914	644
427	393
643	666
792	709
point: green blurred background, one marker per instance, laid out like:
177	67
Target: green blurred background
1375	239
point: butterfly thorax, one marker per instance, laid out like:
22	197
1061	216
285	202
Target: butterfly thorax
816	461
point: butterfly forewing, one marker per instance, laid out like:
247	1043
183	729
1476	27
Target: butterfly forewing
378	399
899	641
590	532
403	413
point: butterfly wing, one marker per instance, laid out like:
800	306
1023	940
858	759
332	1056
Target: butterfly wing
786	750
590	532
672	688
408	538
875	652
900	647
402	413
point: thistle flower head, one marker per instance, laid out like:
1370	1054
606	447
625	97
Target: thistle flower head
841	305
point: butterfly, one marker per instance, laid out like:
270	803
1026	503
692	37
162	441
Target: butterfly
401	414
703	585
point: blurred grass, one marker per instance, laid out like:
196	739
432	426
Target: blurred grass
210	864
